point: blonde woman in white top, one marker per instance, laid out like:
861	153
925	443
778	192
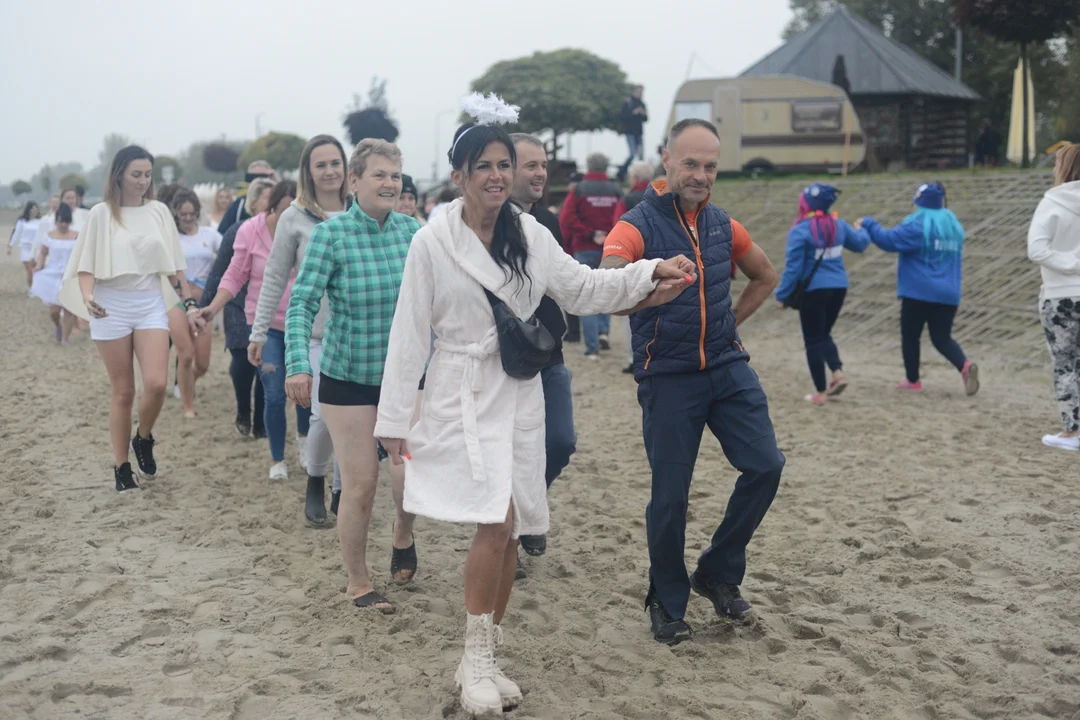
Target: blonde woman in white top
223	198
126	269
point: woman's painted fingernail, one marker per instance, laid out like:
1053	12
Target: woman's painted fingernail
689	278
407	456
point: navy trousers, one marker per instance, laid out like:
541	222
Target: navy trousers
675	411
559	409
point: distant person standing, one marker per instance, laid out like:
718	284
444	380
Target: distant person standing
586	219
80	197
237	212
987	146
633	117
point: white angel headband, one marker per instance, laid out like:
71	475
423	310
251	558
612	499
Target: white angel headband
490	110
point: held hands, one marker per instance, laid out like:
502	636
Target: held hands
195	322
96	311
255	354
675	275
396	449
297	387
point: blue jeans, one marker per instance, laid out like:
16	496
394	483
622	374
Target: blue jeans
559	421
593	326
272	374
636	145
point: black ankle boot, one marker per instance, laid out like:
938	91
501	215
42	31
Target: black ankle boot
315	504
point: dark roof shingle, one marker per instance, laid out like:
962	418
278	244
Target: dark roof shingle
875	64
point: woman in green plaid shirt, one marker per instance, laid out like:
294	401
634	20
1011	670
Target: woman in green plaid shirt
357	260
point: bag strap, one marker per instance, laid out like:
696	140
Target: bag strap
817	264
492	298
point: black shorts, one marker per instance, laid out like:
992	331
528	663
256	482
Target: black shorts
342	392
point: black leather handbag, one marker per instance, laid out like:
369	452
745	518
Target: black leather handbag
525	346
795	300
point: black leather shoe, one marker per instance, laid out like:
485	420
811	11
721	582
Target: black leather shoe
315	502
666	629
726	599
534	545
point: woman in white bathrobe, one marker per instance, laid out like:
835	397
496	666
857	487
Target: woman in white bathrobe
477	453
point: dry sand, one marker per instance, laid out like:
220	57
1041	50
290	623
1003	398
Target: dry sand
920	561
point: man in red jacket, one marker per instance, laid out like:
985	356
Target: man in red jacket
586	218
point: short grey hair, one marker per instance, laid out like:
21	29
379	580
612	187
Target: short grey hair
641	172
254	191
597	162
372	146
527	138
256	164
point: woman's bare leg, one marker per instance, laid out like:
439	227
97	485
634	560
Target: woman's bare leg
485	567
184	344
152	350
352	430
67	324
29	273
117	356
404	522
54	315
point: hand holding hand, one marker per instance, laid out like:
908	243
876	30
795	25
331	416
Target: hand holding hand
396	449
195	322
298	388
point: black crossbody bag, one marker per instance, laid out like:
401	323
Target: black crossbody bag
795	299
525	346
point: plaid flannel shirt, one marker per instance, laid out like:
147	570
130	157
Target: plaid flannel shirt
359	267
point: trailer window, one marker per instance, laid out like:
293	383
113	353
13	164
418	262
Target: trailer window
817	116
693	110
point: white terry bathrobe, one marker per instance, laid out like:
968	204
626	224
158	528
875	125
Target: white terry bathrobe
480	439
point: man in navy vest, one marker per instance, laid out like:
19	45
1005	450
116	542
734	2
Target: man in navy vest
692	372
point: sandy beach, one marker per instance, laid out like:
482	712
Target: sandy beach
921	561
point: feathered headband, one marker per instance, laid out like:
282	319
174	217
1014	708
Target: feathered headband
490	110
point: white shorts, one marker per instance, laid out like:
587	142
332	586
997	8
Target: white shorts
129	310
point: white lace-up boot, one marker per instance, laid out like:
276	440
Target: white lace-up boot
508	689
477	670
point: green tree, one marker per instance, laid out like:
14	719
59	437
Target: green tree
281	150
371	120
165	161
1023	22
220	158
193	170
71	179
562	91
21	187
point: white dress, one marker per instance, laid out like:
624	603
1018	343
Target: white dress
25	232
78	219
47	281
480	439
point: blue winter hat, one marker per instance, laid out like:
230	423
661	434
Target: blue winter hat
930	196
820	197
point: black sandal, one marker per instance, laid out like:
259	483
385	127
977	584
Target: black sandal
374	599
403	560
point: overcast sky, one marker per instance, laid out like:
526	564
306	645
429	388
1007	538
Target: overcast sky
167	74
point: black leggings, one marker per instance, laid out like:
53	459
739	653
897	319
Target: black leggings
817	316
243	374
914	315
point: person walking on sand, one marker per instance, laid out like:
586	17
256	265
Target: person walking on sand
530	183
1054	245
23	236
251	251
356	260
322	193
237	212
477	453
126	269
49	271
930	243
249	415
692	372
815	283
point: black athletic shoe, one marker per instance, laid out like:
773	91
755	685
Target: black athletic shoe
727	601
666	629
243	426
534	545
628	370
335	498
258	432
520	573
315	502
124	479
144	456
572	338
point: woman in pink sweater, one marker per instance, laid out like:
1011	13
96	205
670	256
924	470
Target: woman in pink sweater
250	253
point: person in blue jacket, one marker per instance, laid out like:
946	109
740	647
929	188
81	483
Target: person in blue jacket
818	235
930	243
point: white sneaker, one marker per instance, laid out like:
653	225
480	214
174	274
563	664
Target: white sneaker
508	689
1062	443
279	471
176	391
592	357
477	670
301	450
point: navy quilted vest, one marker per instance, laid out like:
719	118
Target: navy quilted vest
696	331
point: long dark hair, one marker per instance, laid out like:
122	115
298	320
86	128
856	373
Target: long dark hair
26	210
63	214
508	240
284	189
